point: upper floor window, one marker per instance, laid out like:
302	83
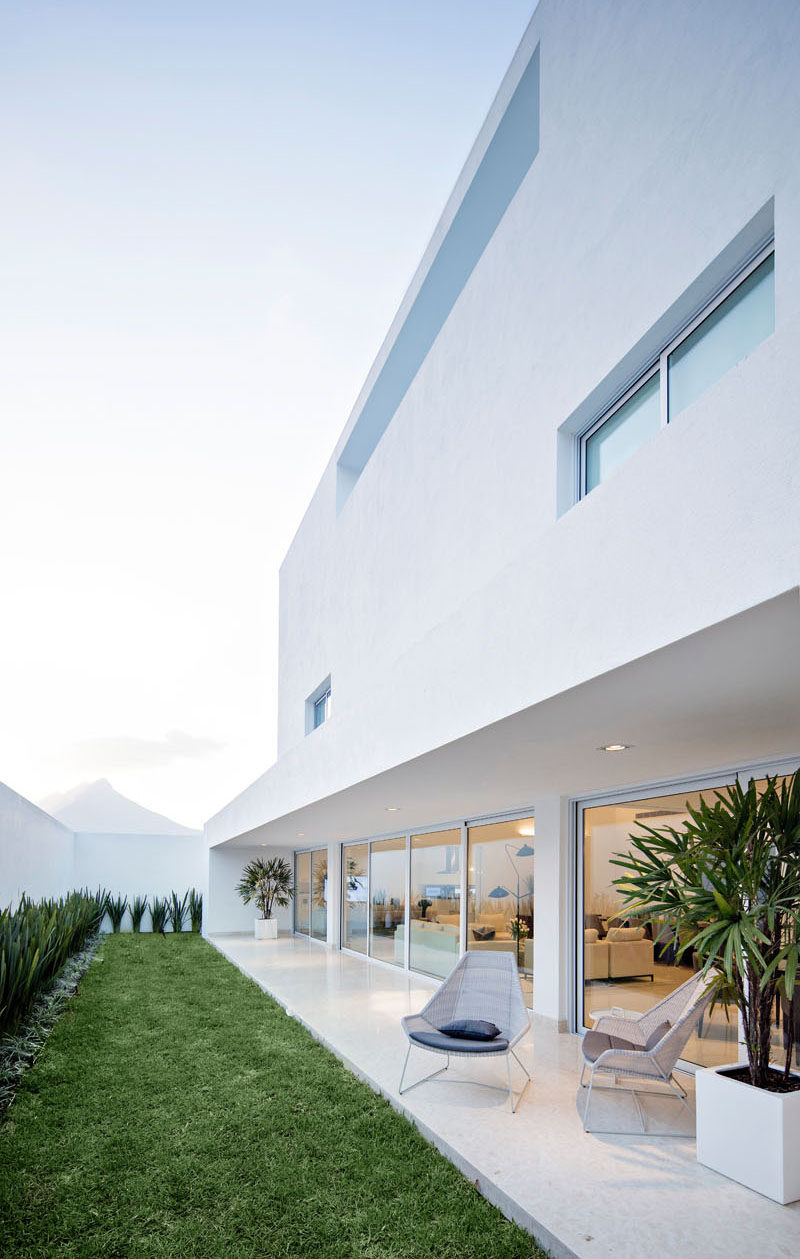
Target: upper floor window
322	708
318	705
726	331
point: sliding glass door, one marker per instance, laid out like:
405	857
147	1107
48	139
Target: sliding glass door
302	892
630	961
311	893
355	896
500	893
387	883
435	909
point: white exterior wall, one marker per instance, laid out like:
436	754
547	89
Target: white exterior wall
453	589
36	851
140	865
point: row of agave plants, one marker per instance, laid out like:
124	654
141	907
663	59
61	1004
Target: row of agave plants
36	940
172	909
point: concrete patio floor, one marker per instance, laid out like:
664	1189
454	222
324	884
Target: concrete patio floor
585	1195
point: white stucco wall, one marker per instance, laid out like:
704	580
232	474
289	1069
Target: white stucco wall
453	589
36	851
131	865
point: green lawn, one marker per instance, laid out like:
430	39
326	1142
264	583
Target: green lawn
176	1110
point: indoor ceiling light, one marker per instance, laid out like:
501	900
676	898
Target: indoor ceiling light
300	834
615	747
393	808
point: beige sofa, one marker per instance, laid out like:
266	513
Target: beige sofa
625	953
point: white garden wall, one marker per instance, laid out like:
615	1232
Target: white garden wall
131	865
36	851
42	857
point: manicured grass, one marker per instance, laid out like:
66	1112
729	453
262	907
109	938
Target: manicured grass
176	1110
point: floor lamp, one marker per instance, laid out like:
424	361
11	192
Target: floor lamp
500	892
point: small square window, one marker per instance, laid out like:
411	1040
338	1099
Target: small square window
318	706
322	708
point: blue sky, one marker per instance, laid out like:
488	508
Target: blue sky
210	213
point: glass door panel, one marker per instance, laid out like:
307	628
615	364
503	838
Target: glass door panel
435	909
634	962
302	895
500	893
319	894
387	880
355	859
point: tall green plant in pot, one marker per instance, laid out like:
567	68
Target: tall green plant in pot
268	883
728	881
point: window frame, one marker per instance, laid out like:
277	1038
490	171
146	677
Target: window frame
321	692
660	364
323	699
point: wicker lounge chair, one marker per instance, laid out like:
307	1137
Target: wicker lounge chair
481	986
646	1048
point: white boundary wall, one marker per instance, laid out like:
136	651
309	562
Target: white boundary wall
36	851
42	857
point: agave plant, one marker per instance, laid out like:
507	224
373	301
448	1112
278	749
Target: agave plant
268	883
158	914
116	907
138	907
35	942
196	909
176	910
729	883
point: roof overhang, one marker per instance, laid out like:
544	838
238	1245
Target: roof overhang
724	698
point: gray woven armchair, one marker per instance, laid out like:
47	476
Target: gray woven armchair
481	986
646	1048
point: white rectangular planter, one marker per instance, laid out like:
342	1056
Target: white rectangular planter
266	928
749	1134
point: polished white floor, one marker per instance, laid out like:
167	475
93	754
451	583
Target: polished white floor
580	1194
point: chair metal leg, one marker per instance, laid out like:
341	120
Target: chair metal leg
432	1076
588	1102
514	1105
676	1090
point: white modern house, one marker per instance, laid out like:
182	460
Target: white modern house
548	585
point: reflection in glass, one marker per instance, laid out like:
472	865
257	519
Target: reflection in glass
354	896
302	896
636	421
319	894
388	897
435	902
730	332
500	893
633	962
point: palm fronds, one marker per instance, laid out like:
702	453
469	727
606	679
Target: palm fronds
268	883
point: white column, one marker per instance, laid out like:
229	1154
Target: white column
551	900
334	894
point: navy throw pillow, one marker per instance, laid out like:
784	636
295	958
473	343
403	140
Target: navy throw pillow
471	1029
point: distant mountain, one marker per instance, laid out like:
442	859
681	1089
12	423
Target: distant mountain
98	807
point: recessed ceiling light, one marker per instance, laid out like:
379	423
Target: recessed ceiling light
615	747
300	834
393	808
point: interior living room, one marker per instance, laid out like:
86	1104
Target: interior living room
632	963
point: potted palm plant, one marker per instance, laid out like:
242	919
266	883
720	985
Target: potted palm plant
269	884
728	882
